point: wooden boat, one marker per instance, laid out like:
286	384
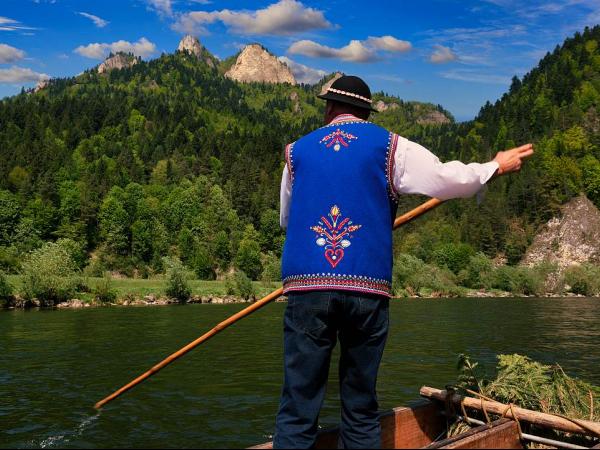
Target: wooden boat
424	424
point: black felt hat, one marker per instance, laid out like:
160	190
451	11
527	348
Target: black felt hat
351	90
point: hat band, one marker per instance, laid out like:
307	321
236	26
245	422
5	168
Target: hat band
350	94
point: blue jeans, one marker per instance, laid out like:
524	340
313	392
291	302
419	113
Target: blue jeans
312	324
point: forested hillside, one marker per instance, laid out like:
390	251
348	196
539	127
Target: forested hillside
167	157
556	107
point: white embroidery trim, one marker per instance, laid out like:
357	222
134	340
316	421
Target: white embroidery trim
350	94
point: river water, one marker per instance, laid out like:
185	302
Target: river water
54	365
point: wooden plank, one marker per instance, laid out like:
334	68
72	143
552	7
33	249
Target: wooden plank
543	420
412	427
502	433
404	427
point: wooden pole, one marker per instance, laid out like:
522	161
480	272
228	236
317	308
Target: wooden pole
420	210
525	415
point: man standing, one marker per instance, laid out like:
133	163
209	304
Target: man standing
339	196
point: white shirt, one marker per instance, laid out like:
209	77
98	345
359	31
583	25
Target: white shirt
418	171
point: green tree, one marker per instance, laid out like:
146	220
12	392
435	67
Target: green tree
50	274
248	258
177	284
113	221
9	216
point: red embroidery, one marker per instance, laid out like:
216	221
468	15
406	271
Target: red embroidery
356	283
390	165
337	139
334	236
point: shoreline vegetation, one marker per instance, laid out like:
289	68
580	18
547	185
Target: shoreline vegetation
50	279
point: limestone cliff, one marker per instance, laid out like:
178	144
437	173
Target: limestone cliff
255	64
433	118
190	44
382	106
573	238
43	84
333	78
118	61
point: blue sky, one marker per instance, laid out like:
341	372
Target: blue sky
456	53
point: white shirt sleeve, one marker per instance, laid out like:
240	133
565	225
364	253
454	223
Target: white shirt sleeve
418	171
285	196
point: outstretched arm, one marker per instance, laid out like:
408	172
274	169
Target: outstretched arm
418	171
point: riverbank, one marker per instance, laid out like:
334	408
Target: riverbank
153	299
142	292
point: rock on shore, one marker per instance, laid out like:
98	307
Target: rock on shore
571	239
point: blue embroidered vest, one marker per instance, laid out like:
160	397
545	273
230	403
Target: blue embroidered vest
343	205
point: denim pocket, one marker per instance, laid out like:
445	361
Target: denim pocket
373	313
309	311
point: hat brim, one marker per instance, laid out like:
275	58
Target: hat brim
348	100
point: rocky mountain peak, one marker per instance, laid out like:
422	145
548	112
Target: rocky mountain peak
42	84
190	44
256	64
569	239
382	106
118	61
434	118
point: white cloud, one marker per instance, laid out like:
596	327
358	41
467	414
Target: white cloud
534	10
302	73
476	77
478	34
163	7
99	22
392	78
20	75
389	43
10	54
285	17
8	24
442	55
355	51
142	47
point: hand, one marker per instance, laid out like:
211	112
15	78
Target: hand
511	160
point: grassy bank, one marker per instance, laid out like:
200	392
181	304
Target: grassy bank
140	287
157	286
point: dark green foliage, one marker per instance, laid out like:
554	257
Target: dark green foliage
248	258
202	263
103	291
50	274
479	272
453	256
271	268
519	280
177	284
9	216
6	291
583	280
412	276
243	286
